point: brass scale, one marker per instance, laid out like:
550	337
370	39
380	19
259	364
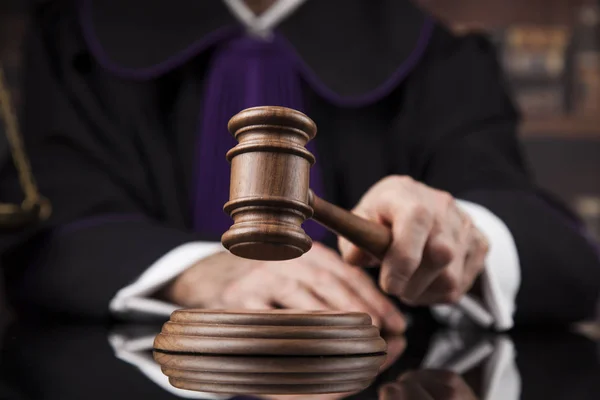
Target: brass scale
34	208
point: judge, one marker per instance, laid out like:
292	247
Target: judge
126	108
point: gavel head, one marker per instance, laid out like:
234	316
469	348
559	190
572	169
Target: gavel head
269	189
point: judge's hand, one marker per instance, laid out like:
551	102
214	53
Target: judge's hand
436	252
427	385
319	280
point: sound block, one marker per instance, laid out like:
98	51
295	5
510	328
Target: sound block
268	352
278	332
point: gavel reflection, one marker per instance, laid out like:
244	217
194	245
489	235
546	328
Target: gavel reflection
270	196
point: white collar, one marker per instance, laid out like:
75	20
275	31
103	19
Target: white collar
263	24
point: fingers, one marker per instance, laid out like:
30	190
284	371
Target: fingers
331	396
256	303
475	260
454	257
439	252
441	384
362	287
392	319
444	252
406	206
336	294
313	282
351	253
322	282
263	289
457	278
292	294
354	255
395	348
411	229
404	391
391	391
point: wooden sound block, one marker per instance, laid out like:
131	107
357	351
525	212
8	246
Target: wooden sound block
268	352
279	332
271	317
255	365
260	389
275	378
270	332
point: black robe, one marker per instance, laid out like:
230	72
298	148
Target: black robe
112	95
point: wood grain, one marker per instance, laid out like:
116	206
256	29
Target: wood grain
271	317
249	364
285	378
338	387
368	235
270	351
271	331
252	346
269	183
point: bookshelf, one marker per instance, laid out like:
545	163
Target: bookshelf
494	15
561	127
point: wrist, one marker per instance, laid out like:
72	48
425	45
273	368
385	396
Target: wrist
199	284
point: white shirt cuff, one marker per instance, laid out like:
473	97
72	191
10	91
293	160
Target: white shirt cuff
500	280
134	299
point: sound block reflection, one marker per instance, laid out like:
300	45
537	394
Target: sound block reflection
269	375
271	352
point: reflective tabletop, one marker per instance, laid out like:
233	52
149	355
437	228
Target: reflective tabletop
67	360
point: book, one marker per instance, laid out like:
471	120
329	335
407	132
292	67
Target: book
586	61
534	60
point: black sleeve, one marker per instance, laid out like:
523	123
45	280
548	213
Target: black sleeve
466	143
105	229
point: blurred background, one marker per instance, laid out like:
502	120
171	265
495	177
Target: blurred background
550	51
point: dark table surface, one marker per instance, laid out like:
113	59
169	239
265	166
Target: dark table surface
69	360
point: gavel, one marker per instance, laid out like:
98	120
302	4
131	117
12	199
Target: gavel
270	196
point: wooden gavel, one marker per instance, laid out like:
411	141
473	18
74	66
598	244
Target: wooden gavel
270	197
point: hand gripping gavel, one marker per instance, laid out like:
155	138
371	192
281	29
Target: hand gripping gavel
269	196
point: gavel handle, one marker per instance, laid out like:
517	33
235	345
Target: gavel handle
376	238
368	235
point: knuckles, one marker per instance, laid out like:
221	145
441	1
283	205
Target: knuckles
397	180
323	278
442	254
353	273
451	297
444	199
388	283
230	293
392	281
482	244
468	226
419	214
448	285
406	263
